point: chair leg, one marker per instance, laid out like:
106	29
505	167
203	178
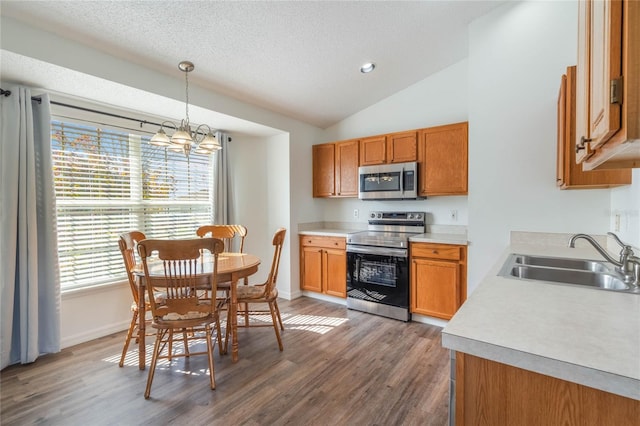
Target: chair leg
170	342
227	331
219	336
154	359
132	326
246	306
186	343
275	303
212	377
272	308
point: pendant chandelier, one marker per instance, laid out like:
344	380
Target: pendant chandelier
201	141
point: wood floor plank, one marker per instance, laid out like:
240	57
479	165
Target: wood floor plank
338	367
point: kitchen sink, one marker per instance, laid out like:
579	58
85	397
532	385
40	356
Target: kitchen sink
582	272
564	263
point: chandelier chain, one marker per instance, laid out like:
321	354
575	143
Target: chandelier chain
186	79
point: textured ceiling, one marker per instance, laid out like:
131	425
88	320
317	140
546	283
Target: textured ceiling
300	58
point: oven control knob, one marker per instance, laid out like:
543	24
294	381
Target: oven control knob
410	216
379	215
418	216
372	215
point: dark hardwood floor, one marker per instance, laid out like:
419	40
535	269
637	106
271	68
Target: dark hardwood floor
339	367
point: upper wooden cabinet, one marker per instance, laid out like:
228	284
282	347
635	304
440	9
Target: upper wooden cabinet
569	174
373	150
347	168
443	160
335	169
391	148
402	147
608	84
324	168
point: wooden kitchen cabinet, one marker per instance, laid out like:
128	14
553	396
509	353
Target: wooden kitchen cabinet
443	160
323	265
398	147
491	393
608	84
335	169
438	279
569	173
373	150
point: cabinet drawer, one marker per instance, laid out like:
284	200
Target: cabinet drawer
436	251
327	242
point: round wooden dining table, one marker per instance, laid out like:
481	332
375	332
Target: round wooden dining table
232	267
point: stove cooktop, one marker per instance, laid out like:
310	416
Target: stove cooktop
380	239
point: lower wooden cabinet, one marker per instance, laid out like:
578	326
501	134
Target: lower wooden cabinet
323	265
438	279
494	394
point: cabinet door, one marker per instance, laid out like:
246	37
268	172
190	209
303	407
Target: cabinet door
569	173
347	157
402	147
604	35
562	130
434	287
324	170
373	150
443	157
311	268
335	272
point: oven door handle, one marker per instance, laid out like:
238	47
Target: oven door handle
381	251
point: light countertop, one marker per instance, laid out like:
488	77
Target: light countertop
434	237
582	335
441	238
329	232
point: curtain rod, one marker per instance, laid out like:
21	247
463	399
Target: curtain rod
37	99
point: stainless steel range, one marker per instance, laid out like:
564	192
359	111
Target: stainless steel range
378	264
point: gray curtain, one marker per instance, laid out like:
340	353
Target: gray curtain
30	292
223	195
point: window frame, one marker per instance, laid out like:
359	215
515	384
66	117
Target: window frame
136	204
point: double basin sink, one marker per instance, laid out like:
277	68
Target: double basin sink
581	272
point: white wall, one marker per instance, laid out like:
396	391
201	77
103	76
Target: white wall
517	55
625	202
439	99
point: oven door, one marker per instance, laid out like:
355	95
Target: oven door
378	274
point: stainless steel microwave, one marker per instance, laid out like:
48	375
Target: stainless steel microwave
397	181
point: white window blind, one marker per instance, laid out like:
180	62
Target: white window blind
111	181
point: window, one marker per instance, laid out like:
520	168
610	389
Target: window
110	181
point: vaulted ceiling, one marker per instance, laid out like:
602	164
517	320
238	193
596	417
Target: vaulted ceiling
297	58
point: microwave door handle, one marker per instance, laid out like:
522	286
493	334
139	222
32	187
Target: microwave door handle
402	181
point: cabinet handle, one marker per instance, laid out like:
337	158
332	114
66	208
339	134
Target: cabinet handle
434	251
580	146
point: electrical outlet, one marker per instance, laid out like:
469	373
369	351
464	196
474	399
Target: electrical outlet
356	213
453	215
617	223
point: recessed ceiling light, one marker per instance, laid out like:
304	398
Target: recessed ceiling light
368	67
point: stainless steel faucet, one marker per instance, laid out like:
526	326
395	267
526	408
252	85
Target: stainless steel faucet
628	265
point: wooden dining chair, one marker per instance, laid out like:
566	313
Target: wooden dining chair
127	243
264	293
180	276
227	233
